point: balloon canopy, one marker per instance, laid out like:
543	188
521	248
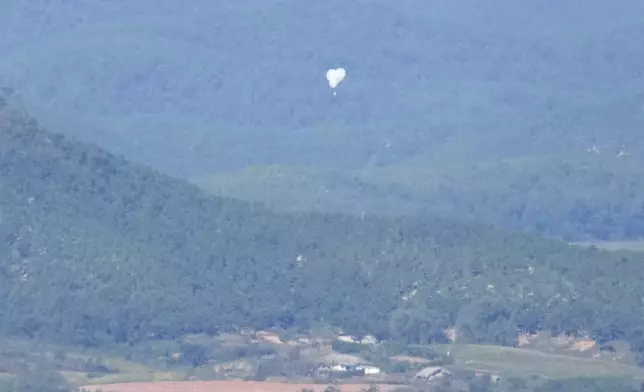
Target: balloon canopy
335	76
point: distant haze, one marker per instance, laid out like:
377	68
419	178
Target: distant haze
211	86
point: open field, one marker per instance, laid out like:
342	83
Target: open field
78	378
518	362
227	386
127	371
549	361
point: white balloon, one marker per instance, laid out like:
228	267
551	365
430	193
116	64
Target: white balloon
335	76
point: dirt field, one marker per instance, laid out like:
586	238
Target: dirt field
225	386
409	359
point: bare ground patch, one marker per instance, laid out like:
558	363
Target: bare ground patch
225	386
409	359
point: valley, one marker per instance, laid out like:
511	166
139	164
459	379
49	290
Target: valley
186	204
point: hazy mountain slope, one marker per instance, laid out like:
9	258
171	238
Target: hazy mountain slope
191	89
587	195
511	95
574	175
95	250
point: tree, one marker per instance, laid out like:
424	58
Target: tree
40	378
481	384
193	354
335	387
371	388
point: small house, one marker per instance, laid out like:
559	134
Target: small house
369	339
347	339
432	373
339	368
270	337
368	370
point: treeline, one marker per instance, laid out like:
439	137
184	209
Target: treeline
575	196
95	250
486	384
37	378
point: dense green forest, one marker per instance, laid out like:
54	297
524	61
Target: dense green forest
96	250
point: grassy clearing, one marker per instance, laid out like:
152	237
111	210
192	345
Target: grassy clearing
6	377
126	371
633	246
515	362
125	378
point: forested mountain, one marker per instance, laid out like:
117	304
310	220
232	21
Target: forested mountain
97	250
485	110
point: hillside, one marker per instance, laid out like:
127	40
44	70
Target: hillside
461	110
582	196
185	88
97	250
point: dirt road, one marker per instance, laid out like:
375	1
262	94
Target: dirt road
225	386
